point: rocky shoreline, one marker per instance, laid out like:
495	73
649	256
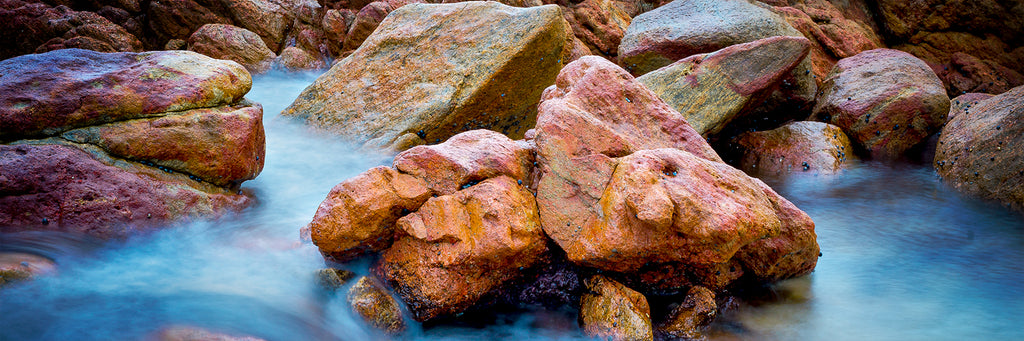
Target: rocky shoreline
592	155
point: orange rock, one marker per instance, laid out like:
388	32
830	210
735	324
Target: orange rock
232	43
459	247
376	306
686	320
466	158
796	147
611	311
599	24
365	22
359	214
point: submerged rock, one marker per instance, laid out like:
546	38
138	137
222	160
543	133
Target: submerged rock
796	147
190	333
331	280
887	101
686	320
456	248
16	267
105	144
611	311
981	149
713	89
232	43
375	306
430	71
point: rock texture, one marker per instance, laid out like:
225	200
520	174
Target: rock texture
599	25
980	149
36	27
232	43
464	76
686	320
611	311
375	306
619	193
711	90
886	101
105	144
456	248
813	147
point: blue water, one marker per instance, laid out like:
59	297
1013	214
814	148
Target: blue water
905	258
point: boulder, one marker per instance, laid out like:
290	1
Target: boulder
685	321
966	73
376	306
806	146
963	103
835	31
627	186
599	24
683	28
178	20
296	59
885	100
359	214
980	149
365	22
35	27
711	90
611	311
456	76
465	159
142	140
269	19
457	248
232	43
335	25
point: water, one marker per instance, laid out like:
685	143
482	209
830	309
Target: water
905	258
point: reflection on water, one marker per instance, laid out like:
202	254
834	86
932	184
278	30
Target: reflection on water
904	258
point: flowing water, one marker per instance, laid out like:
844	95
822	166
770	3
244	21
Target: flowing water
905	258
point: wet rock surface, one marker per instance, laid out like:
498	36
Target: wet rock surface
376	306
611	311
806	146
689	318
233	43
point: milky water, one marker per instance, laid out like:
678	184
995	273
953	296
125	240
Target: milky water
904	258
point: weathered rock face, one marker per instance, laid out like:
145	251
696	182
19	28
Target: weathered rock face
711	90
296	59
179	19
464	76
599	24
330	280
375	306
611	311
966	73
269	19
365	22
980	149
806	146
837	30
31	26
687	320
359	214
887	101
461	246
466	158
619	193
963	103
142	140
232	43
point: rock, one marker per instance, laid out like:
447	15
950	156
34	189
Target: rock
905	19
336	24
179	19
886	101
465	159
35	90
295	59
144	140
684	28
190	333
711	90
967	73
611	311
459	247
232	43
35	27
176	44
686	320
620	193
599	24
16	266
375	306
832	34
458	76
980	149
331	280
359	214
963	103
805	146
366	21
269	19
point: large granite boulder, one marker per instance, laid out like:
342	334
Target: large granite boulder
806	146
232	43
711	90
106	143
886	101
620	193
430	71
980	149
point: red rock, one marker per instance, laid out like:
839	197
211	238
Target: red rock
886	101
178	19
232	43
365	23
796	147
611	311
466	158
711	90
63	188
686	320
36	27
359	214
296	59
599	24
44	94
967	73
833	36
269	19
980	149
963	103
336	24
459	247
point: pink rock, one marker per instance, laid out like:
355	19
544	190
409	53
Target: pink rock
813	147
232	43
466	158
